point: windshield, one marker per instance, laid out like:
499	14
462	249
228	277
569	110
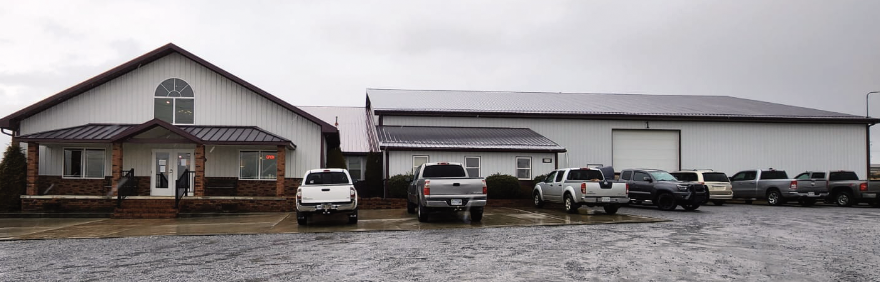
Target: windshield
843	175
443	171
773	174
663	176
327	178
715	177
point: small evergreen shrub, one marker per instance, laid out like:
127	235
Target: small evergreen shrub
398	184
503	186
13	178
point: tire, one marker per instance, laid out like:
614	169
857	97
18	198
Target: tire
422	213
353	219
808	202
843	199
691	207
666	202
476	214
774	198
611	209
718	202
538	203
410	207
302	218
570	205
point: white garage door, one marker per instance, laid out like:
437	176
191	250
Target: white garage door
645	149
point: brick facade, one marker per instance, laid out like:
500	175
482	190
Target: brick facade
199	181
70	186
227	205
68	205
33	167
116	164
280	165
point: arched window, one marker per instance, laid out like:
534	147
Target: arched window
174	102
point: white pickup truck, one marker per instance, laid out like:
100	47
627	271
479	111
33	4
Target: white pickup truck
326	191
582	186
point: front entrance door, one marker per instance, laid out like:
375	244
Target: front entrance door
168	165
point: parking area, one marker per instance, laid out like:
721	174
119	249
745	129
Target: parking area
269	223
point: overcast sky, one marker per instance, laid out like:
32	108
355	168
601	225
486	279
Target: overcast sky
817	54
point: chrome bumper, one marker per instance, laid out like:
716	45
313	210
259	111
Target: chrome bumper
446	203
327	207
605	200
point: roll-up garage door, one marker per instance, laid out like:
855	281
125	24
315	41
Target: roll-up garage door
645	149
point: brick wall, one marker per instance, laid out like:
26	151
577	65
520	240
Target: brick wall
253	188
208	205
68	205
68	186
381	204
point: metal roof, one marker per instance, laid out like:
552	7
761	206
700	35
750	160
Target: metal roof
353	127
592	105
102	133
464	138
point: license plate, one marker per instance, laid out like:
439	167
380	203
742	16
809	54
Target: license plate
456	202
606	199
811	194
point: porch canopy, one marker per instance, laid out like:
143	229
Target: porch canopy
158	132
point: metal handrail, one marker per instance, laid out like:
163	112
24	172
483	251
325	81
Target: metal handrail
182	186
127	187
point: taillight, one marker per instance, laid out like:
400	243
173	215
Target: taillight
793	185
627	188
863	187
485	188
352	192
702	183
427	189
299	193
583	188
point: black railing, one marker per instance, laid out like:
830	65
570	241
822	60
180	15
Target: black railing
182	186
127	187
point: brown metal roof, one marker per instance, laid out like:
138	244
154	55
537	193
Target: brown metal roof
202	134
12	121
464	139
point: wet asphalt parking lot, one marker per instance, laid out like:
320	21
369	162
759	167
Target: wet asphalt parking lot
731	242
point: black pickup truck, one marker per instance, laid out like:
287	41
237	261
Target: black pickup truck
663	189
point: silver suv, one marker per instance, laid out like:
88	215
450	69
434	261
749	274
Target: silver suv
720	189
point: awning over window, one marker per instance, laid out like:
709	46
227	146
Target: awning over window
201	134
464	139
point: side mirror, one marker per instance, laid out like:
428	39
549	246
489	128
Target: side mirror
648	179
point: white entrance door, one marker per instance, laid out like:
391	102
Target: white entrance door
168	165
656	149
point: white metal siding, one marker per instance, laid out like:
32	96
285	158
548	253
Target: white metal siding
645	149
723	146
218	101
400	162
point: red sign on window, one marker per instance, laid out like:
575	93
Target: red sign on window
270	157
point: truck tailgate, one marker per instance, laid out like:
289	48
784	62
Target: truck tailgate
330	193
594	189
455	186
815	186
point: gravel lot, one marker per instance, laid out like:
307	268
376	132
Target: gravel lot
731	242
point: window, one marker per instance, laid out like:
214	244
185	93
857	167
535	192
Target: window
626	175
715	177
686	176
257	165
443	171
83	163
818	175
472	165
355	168
843	175
524	168
174	102
330	177
417	161
586	175
773	174
559	176
802	176
640	176
549	177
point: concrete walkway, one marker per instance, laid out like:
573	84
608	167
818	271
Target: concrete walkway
268	223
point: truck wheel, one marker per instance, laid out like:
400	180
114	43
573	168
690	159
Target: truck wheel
611	209
423	213
410	207
353	217
570	205
476	214
301	218
666	202
809	202
691	207
843	199
538	203
774	198
718	202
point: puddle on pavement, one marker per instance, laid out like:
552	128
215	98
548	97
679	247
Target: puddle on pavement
268	223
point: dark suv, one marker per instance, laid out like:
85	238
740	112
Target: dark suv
663	189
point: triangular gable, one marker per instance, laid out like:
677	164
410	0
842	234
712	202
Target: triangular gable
144	127
12	121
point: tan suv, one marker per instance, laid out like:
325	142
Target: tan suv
720	189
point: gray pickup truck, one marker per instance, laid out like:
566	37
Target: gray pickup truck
776	187
844	187
574	187
445	187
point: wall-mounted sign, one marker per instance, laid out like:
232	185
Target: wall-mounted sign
270	157
547	160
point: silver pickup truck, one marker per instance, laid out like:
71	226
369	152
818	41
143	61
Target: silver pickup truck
844	187
776	187
326	191
445	187
582	186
